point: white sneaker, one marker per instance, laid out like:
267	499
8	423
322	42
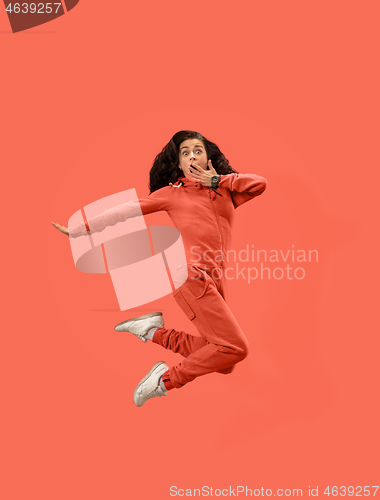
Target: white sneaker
141	325
149	386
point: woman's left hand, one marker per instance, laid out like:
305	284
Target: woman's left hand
203	176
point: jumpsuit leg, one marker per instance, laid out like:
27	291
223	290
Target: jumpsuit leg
182	343
222	343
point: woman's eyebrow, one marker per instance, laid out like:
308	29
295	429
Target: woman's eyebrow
196	146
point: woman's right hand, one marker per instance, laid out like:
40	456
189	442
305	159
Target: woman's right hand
63	229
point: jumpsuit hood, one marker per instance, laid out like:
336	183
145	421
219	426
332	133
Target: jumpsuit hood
185	182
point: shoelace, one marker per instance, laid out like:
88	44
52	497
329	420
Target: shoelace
157	391
136	335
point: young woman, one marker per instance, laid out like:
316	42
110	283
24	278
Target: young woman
192	180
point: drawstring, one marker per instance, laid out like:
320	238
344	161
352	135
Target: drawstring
215	191
198	185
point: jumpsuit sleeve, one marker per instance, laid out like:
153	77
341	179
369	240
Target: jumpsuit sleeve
157	201
243	187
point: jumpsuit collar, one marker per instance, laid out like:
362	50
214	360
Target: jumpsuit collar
185	182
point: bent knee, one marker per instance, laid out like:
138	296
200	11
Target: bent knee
242	350
228	370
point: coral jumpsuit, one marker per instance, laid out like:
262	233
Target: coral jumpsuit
204	218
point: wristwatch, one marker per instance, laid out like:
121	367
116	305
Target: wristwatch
215	179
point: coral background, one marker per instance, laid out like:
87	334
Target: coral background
288	90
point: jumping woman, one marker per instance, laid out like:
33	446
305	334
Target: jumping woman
193	182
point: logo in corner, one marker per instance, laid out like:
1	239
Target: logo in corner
25	15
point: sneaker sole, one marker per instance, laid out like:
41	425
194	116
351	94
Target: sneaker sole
150	315
143	380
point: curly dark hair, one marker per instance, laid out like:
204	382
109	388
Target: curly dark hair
165	167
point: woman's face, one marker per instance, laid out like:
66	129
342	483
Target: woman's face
192	151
